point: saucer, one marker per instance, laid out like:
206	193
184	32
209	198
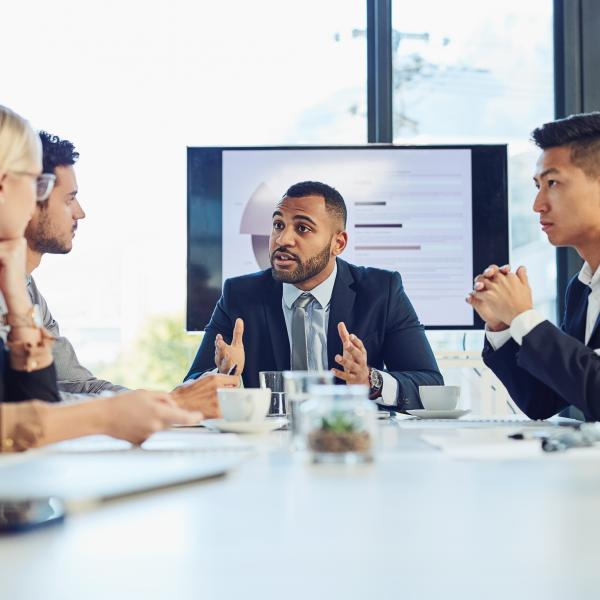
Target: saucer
244	426
423	413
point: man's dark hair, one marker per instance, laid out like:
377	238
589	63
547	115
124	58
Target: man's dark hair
57	152
581	132
334	203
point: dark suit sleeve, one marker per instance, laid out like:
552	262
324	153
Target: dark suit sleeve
407	354
550	371
34	385
220	322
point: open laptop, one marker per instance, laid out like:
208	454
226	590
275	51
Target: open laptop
96	468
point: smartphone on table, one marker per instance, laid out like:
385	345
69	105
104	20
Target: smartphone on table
22	515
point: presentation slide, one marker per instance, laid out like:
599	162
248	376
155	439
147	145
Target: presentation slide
409	210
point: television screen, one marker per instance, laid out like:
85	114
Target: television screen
436	214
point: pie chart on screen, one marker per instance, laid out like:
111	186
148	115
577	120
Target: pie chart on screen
256	222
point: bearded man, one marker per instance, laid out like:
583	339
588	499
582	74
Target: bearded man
313	311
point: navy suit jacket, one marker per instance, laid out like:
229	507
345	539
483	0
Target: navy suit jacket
371	302
553	369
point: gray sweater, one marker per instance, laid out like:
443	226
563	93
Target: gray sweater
73	378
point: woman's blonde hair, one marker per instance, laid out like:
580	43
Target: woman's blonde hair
20	146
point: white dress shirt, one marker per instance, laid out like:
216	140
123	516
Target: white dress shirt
522	324
317	322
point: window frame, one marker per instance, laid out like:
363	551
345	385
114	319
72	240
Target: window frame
576	84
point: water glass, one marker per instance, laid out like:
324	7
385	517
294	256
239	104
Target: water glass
296	385
274	381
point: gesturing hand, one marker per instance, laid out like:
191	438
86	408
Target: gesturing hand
354	359
201	394
135	416
227	355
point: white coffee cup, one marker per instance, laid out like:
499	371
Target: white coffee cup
244	404
439	397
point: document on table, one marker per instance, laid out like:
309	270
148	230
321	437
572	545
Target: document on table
494	444
180	440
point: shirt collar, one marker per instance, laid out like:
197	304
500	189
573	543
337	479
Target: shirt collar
322	293
587	277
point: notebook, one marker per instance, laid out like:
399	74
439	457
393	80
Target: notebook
98	468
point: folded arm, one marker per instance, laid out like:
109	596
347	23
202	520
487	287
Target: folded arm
550	371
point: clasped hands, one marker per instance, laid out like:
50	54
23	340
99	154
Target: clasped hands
353	360
499	295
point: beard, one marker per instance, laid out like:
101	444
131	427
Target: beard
304	270
42	239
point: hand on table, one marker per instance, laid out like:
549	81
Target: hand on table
201	394
354	359
228	355
499	296
135	416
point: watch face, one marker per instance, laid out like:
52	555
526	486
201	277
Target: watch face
376	379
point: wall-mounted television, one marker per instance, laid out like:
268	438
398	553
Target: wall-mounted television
436	214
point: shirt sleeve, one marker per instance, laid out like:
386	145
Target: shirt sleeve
497	339
72	376
522	324
389	391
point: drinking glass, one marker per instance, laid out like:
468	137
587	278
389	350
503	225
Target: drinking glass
296	385
274	381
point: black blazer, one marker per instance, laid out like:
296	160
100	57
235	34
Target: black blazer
371	302
16	386
553	369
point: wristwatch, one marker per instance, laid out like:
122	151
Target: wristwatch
375	383
32	318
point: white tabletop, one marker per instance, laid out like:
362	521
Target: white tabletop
417	523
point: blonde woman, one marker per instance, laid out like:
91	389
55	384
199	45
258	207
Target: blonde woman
27	377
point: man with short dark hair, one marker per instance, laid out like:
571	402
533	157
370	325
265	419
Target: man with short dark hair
544	368
51	230
313	311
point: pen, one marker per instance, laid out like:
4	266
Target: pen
232	370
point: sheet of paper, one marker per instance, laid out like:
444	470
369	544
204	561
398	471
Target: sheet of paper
496	445
192	440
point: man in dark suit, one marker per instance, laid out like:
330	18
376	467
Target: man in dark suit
544	368
312	310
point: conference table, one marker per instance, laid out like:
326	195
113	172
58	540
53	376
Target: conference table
448	509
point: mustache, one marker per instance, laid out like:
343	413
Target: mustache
284	250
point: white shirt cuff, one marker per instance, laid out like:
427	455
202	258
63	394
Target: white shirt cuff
522	324
389	391
497	339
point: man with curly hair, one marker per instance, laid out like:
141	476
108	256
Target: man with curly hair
51	231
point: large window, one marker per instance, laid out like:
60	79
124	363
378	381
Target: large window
132	84
468	71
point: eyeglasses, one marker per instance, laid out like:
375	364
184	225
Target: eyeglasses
44	184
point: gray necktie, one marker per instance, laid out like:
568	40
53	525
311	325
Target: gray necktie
299	353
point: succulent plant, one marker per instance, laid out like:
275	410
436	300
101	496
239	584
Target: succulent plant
338	423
